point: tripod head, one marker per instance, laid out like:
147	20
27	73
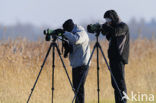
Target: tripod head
97	34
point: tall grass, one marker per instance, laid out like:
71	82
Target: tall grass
20	62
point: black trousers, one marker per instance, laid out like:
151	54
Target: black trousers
118	71
77	74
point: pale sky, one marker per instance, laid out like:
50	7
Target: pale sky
55	12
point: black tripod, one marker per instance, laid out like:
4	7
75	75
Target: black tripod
53	45
97	46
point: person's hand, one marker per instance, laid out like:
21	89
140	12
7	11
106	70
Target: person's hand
107	29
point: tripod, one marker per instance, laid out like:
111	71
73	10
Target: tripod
53	45
97	46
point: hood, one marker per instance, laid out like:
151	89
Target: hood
112	15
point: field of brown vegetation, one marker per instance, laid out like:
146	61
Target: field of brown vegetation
20	62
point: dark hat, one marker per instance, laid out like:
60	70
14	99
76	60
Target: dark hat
112	15
68	25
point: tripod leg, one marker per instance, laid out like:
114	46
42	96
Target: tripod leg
39	73
64	67
110	70
53	68
98	87
85	74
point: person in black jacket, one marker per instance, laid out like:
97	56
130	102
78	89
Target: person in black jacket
117	33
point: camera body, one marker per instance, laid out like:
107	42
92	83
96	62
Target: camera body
97	28
94	28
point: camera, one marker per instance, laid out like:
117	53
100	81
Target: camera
52	33
58	34
97	28
94	28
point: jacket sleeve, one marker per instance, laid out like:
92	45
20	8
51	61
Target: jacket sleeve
76	38
71	37
108	36
115	31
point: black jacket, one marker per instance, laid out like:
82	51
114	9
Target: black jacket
118	43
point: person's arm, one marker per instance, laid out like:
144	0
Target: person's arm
71	37
76	38
118	30
107	31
